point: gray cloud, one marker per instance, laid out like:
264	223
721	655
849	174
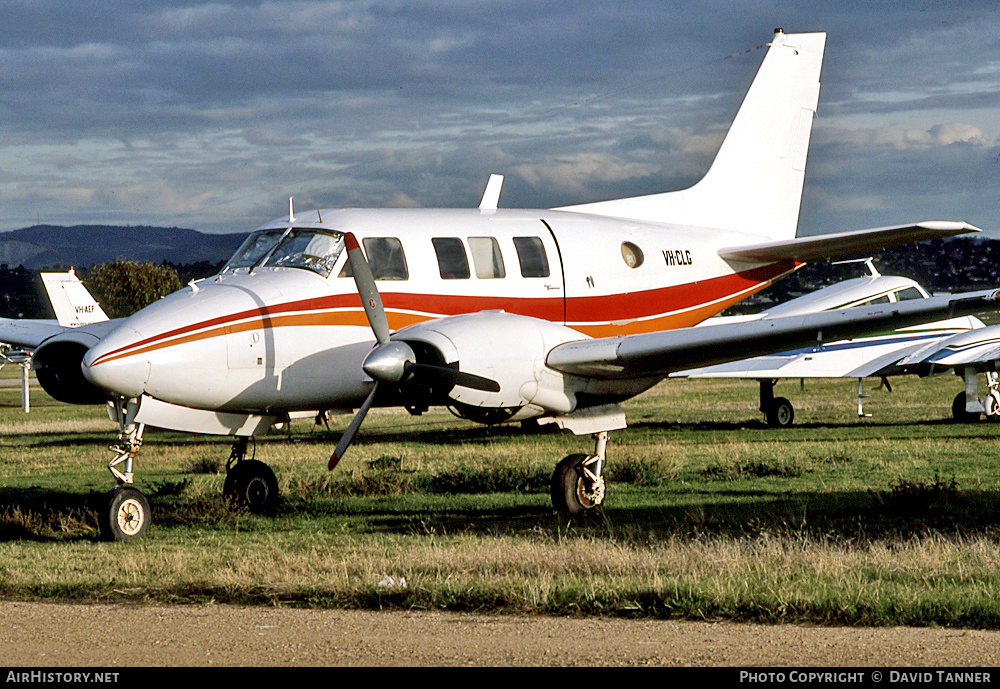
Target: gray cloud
210	114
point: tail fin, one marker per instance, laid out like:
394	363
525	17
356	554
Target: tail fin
754	185
73	304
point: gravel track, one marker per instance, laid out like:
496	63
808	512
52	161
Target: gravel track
80	635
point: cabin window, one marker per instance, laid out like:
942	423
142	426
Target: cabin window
632	255
884	299
486	257
453	264
531	256
908	293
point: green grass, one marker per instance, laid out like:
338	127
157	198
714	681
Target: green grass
711	515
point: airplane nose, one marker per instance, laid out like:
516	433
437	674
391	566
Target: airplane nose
107	367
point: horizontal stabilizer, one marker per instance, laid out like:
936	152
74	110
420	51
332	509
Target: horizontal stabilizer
826	246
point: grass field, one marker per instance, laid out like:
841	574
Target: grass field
881	521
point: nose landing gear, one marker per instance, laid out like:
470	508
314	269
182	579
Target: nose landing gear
124	514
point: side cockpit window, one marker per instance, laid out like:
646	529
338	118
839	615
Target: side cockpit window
386	258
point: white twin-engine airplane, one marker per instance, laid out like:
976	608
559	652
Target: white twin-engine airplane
964	345
557	314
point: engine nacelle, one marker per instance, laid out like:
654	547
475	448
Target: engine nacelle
503	347
57	360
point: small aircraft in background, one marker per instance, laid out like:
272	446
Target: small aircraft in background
963	345
73	305
554	314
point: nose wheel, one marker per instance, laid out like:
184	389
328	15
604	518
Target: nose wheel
125	515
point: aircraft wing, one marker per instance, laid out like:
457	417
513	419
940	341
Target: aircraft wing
27	333
665	352
857	358
825	246
979	346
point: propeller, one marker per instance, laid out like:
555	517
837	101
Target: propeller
390	362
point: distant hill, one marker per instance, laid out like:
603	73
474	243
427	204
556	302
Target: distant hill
46	246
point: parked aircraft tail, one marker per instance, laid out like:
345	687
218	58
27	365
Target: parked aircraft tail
73	304
755	184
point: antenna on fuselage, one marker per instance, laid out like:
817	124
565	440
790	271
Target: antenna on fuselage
491	196
291	210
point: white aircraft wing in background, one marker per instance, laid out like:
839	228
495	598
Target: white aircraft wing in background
76	310
964	345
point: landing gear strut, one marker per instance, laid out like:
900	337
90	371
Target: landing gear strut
578	481
778	411
125	513
249	482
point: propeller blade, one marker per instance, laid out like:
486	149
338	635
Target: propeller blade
465	380
352	430
370	298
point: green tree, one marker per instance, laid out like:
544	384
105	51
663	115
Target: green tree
123	287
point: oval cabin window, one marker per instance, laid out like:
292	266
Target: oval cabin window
632	255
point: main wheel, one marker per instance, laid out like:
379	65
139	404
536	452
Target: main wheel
125	516
574	490
781	413
252	484
959	413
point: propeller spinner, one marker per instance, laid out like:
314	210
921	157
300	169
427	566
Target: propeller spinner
390	362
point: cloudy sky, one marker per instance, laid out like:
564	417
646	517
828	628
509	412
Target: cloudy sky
210	115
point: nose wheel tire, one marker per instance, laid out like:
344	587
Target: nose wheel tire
251	484
575	490
125	515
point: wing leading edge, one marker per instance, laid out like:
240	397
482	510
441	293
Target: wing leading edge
825	246
660	353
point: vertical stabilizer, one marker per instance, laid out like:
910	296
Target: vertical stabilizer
754	185
73	304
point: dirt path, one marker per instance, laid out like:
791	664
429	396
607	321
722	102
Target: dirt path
57	635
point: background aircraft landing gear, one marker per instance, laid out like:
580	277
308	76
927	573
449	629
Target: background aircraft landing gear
778	411
250	483
959	413
124	515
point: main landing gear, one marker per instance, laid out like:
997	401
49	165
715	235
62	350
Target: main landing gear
578	482
778	411
249	482
967	408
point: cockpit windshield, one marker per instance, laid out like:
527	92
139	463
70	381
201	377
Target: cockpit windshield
315	250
